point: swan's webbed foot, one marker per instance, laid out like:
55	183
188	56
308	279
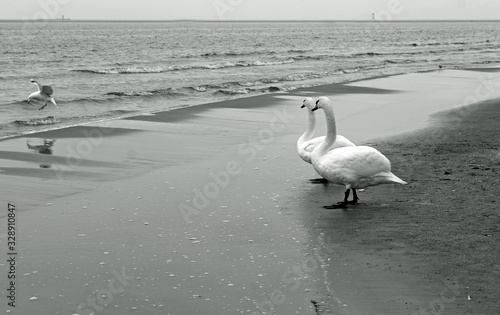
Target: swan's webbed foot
339	205
343	204
318	181
42	107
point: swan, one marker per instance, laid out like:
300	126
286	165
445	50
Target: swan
44	93
355	167
306	143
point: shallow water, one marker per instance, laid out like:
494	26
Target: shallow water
103	70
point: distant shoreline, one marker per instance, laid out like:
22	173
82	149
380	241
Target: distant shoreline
251	21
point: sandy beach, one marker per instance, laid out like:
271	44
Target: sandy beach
209	210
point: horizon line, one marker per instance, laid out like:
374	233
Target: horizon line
243	21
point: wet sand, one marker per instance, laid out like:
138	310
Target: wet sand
208	209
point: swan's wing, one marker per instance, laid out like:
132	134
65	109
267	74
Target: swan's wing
310	145
33	95
358	161
341	142
47	90
369	161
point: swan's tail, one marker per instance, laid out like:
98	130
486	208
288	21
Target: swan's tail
397	180
391	178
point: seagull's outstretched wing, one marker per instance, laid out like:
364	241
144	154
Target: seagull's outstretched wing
36	83
47	90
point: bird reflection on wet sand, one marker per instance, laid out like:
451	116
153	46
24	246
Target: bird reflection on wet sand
45	148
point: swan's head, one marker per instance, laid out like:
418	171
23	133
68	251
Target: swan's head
322	102
32	81
309	103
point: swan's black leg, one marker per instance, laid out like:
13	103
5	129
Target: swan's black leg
318	181
341	204
354	197
42	107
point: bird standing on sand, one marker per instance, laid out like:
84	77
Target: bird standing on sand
307	143
355	167
44	93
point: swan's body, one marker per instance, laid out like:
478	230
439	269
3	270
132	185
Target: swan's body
355	167
44	93
306	143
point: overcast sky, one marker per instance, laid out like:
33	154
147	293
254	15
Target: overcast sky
251	9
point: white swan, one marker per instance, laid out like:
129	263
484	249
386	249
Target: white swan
306	143
355	167
44	93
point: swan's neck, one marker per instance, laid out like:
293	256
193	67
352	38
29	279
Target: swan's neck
331	131
311	127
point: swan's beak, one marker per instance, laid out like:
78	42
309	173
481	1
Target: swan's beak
315	108
302	106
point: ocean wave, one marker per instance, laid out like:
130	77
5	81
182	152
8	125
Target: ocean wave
49	120
247	90
300	51
315	57
248	53
234	53
486	62
340	56
228	88
303	76
213	66
128	70
419	52
399	61
302	56
197	88
231	92
146	93
270	84
204	87
167	91
447	43
370	53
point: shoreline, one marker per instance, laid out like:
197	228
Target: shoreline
342	86
216	196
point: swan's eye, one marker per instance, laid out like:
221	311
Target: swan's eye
317	102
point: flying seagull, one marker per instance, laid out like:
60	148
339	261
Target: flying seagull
44	93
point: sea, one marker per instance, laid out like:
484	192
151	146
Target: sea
105	70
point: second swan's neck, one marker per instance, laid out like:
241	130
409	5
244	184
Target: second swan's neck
331	130
311	127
